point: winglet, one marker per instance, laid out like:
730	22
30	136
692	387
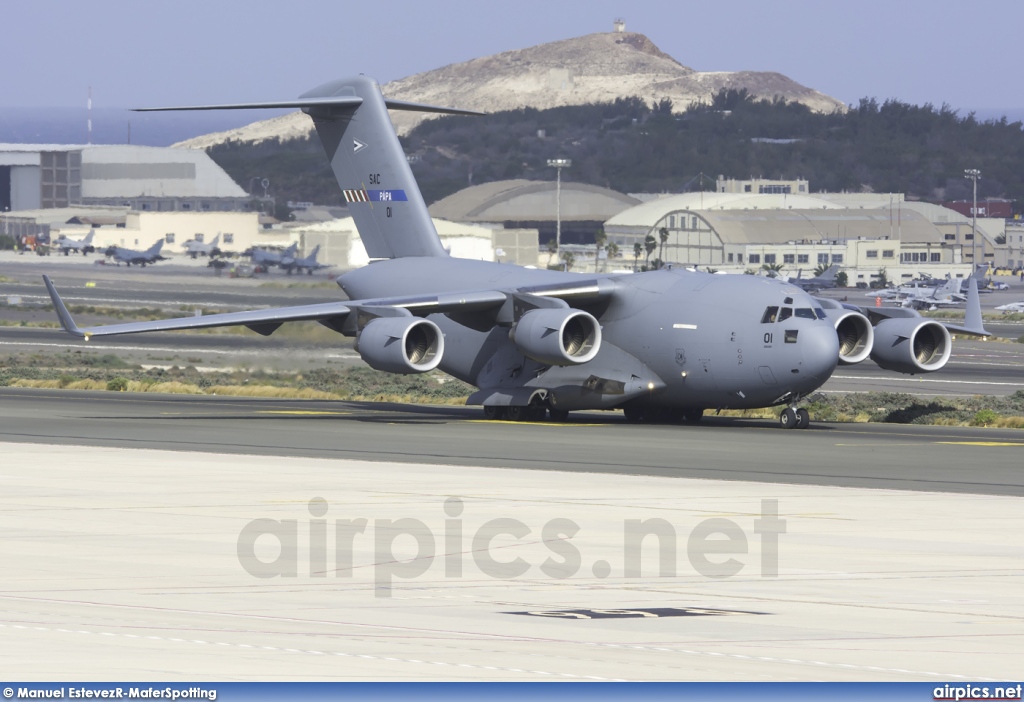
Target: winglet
973	323
62	312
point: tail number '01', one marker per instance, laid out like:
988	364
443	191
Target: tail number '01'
767	338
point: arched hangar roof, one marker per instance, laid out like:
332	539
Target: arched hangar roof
529	200
653	211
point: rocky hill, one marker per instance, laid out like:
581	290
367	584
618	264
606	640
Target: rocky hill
593	68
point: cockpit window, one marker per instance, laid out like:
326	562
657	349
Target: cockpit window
770	315
785	314
805	312
820	312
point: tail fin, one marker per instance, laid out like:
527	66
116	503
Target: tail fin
215	241
829	274
88	238
372	170
155	248
313	254
351	119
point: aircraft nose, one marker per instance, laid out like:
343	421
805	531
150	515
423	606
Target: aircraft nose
820	353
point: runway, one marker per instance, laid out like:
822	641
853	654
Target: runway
148	565
946	459
430	544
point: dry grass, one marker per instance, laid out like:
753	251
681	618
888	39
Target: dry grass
272	391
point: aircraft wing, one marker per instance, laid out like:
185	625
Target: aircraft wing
268	320
335	314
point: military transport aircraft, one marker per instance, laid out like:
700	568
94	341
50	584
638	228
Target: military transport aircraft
83	246
139	258
664	344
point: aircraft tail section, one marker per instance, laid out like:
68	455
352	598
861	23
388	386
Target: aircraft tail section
87	241
351	119
312	256
372	170
216	240
154	250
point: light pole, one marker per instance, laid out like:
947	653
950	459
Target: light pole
558	164
974	174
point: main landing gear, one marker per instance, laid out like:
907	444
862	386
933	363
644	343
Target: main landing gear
794	418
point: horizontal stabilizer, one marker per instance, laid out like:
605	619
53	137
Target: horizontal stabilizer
307	103
420	107
339	101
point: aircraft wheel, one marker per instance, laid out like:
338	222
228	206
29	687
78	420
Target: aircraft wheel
803	418
558	415
515	413
492	412
788	419
633	413
693	415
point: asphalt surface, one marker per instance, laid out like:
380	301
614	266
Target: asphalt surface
946	459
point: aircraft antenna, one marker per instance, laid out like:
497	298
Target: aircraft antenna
88	117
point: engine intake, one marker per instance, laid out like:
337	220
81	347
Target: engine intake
557	337
911	345
401	344
856	335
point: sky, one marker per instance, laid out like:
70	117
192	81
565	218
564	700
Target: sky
188	51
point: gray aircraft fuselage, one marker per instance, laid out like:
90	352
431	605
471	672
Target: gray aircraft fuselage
695	336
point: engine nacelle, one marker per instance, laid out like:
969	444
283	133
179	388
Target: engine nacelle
911	345
557	337
401	344
856	335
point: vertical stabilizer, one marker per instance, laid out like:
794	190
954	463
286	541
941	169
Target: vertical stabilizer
372	171
351	119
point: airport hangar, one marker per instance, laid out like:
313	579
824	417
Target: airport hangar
773	223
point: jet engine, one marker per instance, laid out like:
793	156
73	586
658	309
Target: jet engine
911	345
557	337
856	336
401	344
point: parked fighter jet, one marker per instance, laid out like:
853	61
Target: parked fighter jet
263	259
827	279
83	246
669	343
1011	307
197	248
139	258
308	264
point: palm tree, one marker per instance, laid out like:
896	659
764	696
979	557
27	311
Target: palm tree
613	251
637	250
820	268
663	235
568	259
600	238
771	268
650	244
